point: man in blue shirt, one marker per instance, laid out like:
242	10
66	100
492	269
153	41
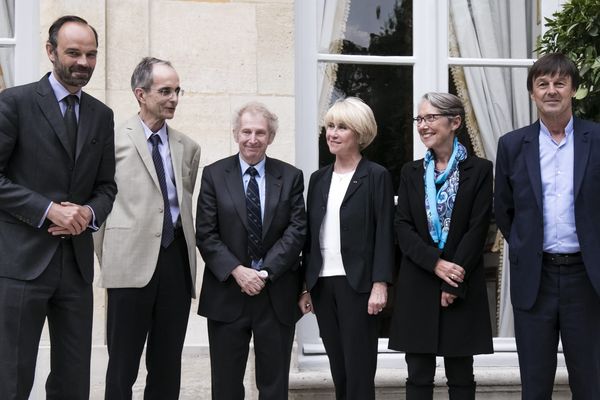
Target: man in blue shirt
546	203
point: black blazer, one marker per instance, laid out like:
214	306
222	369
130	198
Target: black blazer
419	323
519	212
366	230
36	167
221	238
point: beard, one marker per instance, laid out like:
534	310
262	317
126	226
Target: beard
66	74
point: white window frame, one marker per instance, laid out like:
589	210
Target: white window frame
25	41
430	59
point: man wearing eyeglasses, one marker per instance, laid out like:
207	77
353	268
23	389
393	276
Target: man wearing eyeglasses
146	247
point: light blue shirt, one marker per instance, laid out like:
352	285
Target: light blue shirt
165	155
556	166
61	93
260	180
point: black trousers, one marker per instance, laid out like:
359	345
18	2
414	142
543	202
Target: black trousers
567	307
61	295
157	313
349	335
421	373
229	347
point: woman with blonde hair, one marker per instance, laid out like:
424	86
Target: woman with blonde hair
348	256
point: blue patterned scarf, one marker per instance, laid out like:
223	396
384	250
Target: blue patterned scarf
439	203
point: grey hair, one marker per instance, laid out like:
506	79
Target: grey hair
142	74
256	108
446	103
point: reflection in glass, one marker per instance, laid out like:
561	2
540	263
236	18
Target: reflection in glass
374	27
7	18
6	67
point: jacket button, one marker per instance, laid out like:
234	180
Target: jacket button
157	234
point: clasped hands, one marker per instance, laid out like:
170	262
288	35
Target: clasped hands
451	273
248	280
68	218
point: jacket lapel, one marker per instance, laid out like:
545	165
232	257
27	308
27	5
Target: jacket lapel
582	152
531	152
51	110
357	179
272	193
235	186
135	131
85	123
176	148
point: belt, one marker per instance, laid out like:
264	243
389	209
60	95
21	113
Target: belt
562	258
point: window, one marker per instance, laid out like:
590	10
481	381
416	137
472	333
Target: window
19	26
391	52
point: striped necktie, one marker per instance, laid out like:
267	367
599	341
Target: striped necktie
254	217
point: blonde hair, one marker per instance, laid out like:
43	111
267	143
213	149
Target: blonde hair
357	116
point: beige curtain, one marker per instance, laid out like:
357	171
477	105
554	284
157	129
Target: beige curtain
496	99
7	8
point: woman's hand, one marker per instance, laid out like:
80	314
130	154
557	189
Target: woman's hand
447	299
378	298
305	303
451	273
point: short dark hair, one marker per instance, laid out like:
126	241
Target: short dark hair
552	64
56	25
142	74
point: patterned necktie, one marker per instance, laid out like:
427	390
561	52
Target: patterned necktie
168	232
71	121
253	214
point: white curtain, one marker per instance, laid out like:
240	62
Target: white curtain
7	8
332	32
498	96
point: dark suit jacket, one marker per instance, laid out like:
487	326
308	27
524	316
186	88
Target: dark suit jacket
518	205
36	167
419	323
221	237
366	226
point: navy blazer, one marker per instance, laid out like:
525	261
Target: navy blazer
37	166
221	237
519	210
366	226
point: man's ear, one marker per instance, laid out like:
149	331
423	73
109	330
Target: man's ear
51	52
140	95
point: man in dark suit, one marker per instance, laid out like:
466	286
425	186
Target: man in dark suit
547	191
250	229
56	185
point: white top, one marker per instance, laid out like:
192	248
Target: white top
329	236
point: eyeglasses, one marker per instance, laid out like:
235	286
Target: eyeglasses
168	92
429	118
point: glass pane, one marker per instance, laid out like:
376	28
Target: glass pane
6	67
7	18
493	29
378	27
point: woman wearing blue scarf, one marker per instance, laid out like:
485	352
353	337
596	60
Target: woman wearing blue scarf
441	222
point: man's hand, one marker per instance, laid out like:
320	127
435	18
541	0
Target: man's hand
248	280
305	303
378	298
68	218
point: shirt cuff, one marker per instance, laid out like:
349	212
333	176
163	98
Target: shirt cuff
93	224
45	215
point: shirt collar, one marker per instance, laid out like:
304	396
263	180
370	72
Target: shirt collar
60	92
162	132
260	166
568	129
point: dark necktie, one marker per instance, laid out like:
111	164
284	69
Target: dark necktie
168	232
71	121
254	216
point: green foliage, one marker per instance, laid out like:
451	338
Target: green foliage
575	32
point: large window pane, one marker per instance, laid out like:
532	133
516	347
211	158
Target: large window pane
493	29
6	67
378	27
7	18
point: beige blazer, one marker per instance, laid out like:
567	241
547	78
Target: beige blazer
128	243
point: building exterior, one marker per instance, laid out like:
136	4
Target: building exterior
297	57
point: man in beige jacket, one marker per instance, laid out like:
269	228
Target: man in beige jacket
146	247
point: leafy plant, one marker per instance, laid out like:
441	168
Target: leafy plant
575	32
